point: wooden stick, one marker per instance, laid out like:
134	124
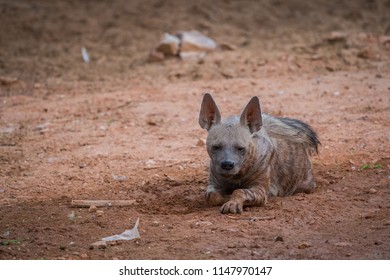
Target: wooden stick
103	203
252	219
167	165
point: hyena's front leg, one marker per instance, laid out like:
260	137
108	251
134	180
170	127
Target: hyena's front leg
256	196
252	196
214	197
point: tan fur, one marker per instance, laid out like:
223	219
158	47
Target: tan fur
254	156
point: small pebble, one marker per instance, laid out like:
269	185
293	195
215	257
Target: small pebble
372	191
279	239
119	178
201	142
304	245
72	215
369	216
99	213
84	256
92	209
98	245
194	225
150	162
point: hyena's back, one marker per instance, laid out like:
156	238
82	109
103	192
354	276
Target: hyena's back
291	168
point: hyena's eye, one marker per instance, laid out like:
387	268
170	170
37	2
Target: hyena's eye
241	149
216	148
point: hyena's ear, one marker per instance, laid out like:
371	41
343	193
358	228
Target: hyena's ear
251	116
209	113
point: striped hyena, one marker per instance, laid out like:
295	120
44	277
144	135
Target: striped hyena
255	155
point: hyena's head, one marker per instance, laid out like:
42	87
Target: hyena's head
229	142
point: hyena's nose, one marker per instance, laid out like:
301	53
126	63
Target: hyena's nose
227	165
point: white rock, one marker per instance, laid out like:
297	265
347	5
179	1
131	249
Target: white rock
169	45
195	41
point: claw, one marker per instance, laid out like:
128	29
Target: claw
232	207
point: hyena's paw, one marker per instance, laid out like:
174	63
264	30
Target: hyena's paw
214	198
232	206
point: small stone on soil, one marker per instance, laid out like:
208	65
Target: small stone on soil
304	245
279	239
99	213
98	245
372	191
92	209
201	142
84	256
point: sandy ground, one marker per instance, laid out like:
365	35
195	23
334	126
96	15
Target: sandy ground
122	128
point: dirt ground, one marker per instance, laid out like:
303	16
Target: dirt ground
71	130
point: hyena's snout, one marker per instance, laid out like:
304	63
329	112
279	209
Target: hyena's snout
227	162
227	165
